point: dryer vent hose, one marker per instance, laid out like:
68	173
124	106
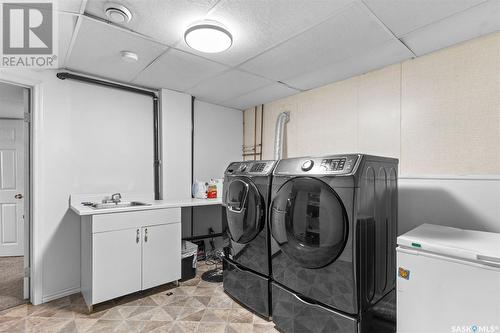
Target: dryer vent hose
283	118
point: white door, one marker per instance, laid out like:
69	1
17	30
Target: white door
161	254
116	264
11	187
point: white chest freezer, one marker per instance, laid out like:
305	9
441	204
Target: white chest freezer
448	281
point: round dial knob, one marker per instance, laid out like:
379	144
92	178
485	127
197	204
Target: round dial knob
307	165
243	167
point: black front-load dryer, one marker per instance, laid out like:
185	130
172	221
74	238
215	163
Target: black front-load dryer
333	220
246	263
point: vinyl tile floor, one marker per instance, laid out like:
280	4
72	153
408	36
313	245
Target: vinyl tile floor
11	282
193	306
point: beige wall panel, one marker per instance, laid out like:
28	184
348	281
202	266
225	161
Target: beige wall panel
379	112
450	118
322	121
326	121
440	113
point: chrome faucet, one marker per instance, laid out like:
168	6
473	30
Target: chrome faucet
115	198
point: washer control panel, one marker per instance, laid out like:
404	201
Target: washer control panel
251	168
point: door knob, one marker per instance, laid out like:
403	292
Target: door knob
18	196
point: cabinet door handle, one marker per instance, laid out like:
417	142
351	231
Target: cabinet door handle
146	235
138	237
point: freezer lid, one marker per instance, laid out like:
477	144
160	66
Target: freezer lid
454	242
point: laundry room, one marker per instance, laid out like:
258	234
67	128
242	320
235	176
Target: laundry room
293	166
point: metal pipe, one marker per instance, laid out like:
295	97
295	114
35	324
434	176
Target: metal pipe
110	84
261	128
156	147
283	118
156	117
255	132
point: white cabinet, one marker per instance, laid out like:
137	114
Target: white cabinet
160	252
126	252
116	264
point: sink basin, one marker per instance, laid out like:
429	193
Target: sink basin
107	205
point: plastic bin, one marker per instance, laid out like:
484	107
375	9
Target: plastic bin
189	254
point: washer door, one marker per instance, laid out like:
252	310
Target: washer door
245	210
309	222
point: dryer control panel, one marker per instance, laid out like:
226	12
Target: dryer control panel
326	165
333	164
257	168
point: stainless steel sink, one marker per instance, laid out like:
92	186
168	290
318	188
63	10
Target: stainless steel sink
107	205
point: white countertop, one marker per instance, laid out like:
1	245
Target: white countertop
78	208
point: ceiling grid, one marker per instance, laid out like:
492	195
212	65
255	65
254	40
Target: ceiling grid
280	47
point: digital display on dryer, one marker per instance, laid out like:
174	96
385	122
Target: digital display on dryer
333	164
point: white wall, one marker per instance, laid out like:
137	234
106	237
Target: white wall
92	140
470	203
176	144
218	139
100	140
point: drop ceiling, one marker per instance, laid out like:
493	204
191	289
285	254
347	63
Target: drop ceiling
280	47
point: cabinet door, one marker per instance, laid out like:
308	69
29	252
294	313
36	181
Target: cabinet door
161	254
116	264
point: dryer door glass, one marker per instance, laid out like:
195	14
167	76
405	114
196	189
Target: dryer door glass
245	210
309	222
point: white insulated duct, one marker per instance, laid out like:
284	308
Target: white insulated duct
283	118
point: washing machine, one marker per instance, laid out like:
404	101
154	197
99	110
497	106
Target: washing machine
333	222
246	195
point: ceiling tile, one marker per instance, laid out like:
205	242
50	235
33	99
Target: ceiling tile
72	6
178	70
350	33
385	54
474	22
227	85
405	16
257	25
165	21
97	51
260	96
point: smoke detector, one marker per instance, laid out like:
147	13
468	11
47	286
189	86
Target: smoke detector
117	13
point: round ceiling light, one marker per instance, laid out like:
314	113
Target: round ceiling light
117	13
129	56
208	37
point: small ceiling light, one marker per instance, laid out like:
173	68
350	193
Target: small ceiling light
208	36
117	13
128	56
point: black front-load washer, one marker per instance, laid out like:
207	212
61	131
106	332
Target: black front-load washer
334	220
246	262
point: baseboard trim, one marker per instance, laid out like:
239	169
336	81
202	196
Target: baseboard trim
62	293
